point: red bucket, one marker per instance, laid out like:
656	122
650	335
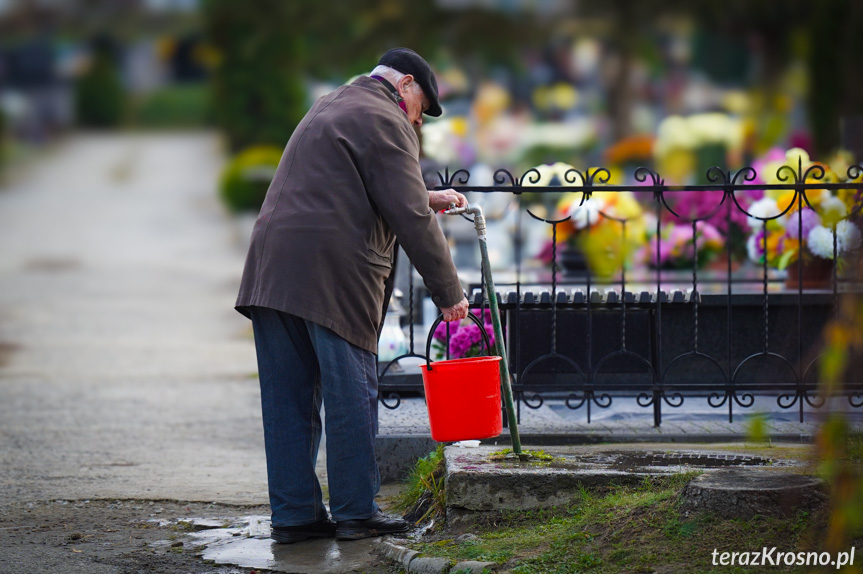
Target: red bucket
463	398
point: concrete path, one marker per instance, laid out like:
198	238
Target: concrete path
124	370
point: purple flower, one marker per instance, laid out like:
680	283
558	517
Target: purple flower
441	331
468	341
755	247
460	344
809	219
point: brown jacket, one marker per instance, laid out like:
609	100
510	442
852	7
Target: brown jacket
348	185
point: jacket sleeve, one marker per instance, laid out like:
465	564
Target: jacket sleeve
394	183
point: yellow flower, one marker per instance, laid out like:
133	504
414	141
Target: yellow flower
787	199
851	197
626	206
796	156
460	126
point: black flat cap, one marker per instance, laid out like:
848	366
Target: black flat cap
407	61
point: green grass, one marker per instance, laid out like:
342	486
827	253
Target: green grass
625	529
172	106
424	495
525	455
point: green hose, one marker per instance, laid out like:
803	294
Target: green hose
500	347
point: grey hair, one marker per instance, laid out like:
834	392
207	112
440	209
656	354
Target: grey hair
394	76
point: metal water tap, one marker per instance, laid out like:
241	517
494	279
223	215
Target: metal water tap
473	209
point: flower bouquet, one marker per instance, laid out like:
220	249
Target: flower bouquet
676	249
595	224
782	233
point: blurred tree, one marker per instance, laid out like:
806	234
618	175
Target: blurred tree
348	37
267	49
258	92
2	138
99	95
835	83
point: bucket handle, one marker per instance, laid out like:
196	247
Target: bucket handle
437	322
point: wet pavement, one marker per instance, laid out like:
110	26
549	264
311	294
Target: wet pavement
246	543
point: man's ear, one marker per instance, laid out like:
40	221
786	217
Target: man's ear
404	83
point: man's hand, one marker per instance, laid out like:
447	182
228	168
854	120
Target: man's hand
439	200
457	312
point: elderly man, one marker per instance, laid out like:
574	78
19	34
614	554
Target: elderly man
316	283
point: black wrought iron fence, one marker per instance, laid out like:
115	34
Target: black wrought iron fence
637	329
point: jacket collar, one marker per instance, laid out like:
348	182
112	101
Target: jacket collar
372	84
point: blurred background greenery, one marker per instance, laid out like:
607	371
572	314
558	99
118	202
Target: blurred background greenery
607	69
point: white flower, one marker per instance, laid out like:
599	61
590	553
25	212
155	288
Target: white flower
820	239
649	220
848	236
820	242
438	141
547	172
585	214
764	208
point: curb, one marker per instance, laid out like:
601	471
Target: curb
398	452
415	563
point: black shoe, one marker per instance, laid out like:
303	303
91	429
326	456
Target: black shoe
378	525
325	528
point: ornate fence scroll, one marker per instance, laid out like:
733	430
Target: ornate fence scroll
723	336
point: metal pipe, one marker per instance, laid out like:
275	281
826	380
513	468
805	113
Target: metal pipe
500	346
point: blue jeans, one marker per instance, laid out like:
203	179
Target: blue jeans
301	363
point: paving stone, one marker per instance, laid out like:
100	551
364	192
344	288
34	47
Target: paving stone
397	553
425	565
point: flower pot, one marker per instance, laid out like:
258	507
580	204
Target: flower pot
817	274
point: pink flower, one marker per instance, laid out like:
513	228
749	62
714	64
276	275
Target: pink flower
760	165
675	244
699	204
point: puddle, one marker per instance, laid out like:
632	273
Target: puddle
245	542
